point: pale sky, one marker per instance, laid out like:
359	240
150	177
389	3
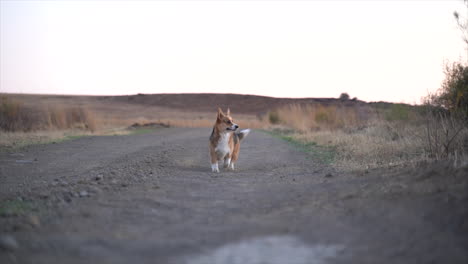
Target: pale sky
373	50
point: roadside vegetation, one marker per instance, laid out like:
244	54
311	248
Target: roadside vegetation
384	134
22	124
14	117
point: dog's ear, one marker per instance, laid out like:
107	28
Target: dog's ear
228	112
220	113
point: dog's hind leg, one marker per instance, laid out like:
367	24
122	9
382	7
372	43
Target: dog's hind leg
234	156
230	163
227	161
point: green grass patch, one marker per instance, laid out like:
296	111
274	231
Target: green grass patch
140	131
62	139
74	137
15	208
325	154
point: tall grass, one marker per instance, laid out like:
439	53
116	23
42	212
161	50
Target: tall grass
14	116
70	117
397	135
304	118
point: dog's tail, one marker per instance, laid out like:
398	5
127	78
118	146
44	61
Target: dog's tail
242	134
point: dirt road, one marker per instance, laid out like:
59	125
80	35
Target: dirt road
151	198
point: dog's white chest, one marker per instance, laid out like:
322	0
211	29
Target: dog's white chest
222	149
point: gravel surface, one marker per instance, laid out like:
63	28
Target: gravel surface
151	198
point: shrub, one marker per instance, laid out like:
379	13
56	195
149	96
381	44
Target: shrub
446	113
322	117
328	117
344	97
273	117
453	95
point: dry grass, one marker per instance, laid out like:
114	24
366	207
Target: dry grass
398	136
446	135
26	123
305	118
61	117
379	144
15	116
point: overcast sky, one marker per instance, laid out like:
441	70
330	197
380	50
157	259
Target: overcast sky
374	50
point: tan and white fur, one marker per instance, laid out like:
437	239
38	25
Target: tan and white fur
225	141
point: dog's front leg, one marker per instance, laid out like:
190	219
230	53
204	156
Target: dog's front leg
214	167
214	161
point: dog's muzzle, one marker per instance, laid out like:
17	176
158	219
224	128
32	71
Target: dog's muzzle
233	127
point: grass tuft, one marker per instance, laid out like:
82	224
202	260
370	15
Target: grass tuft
14	208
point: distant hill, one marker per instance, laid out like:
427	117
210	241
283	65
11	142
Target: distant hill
245	104
238	103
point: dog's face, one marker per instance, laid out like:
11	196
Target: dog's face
225	121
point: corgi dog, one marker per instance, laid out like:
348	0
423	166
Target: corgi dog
225	141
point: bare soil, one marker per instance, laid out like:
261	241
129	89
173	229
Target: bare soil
151	198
